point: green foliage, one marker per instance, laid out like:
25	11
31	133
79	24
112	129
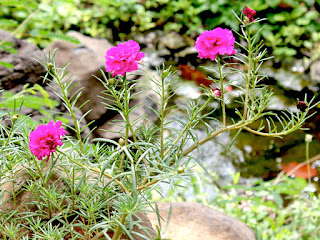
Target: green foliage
291	28
28	98
283	211
8	47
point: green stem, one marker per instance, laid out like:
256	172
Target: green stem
198	111
246	99
67	102
307	159
20	26
126	108
117	234
14	196
204	140
97	170
73	188
162	116
223	104
129	127
10	133
44	182
122	161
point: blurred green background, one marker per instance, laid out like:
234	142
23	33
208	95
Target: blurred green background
291	27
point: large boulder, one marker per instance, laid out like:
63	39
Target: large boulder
26	69
194	221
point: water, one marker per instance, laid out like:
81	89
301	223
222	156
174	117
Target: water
256	156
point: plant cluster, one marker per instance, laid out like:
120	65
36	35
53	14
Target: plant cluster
284	210
88	189
291	28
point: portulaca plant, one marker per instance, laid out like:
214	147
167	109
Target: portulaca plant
103	184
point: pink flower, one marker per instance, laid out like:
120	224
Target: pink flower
250	13
45	138
123	58
215	42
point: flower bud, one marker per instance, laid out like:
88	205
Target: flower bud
15	118
308	138
249	14
165	73
302	106
216	92
49	66
181	169
111	81
121	142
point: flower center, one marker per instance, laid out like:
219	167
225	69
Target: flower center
50	143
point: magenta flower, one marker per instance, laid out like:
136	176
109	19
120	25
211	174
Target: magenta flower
250	13
123	58
45	138
215	42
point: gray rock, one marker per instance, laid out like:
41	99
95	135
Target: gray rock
26	69
194	221
315	72
187	51
172	40
152	59
286	78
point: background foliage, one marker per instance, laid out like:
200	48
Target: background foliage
287	210
292	26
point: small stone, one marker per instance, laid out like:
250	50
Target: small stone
187	51
85	60
286	79
172	40
315	72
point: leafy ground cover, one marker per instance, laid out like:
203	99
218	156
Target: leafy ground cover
288	209
291	28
